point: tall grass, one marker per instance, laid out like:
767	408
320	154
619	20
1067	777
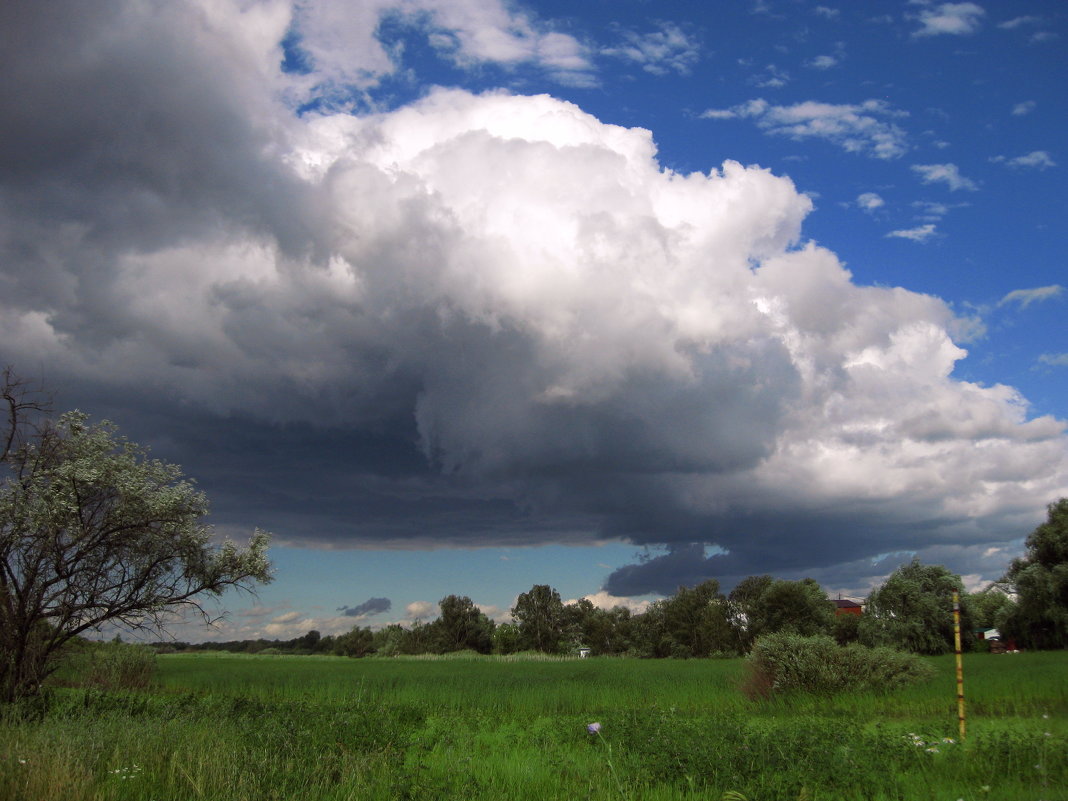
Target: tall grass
228	727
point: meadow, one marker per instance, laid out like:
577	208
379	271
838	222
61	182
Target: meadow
252	728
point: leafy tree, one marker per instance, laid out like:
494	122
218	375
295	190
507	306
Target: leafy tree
539	614
92	531
603	631
389	640
761	605
696	621
356	643
462	625
794	607
913	610
309	641
846	629
990	607
505	638
649	635
741	609
1040	617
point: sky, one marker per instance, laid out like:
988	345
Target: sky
462	296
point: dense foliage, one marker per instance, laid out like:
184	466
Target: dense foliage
1040	578
787	662
913	610
92	531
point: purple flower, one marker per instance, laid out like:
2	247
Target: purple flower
593	728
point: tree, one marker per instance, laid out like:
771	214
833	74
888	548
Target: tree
1040	617
356	643
92	531
741	610
696	621
913	610
762	605
462	626
539	614
795	607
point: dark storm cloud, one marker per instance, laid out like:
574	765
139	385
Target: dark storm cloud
474	320
372	606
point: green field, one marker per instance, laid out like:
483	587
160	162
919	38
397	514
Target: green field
232	727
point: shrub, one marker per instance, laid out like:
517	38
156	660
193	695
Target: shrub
784	662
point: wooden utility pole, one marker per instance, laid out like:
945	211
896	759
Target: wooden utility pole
960	662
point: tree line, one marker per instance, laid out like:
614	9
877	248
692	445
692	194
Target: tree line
93	531
911	611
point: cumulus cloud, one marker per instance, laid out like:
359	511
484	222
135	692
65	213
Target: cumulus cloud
668	49
476	318
372	606
920	233
420	610
957	19
948	174
341	41
870	201
1035	160
1025	297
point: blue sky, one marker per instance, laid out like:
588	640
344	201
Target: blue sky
463	296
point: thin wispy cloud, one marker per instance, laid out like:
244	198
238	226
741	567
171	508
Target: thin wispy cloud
1035	160
919	234
948	174
668	49
861	128
1017	22
1025	297
1054	359
823	62
1021	109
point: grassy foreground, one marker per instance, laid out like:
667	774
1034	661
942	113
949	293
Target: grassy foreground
239	728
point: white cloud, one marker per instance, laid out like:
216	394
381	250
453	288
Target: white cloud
919	234
288	617
870	201
561	323
605	600
855	128
1036	159
342	38
1026	107
1054	359
948	174
1016	22
826	12
421	610
823	62
669	49
1025	297
957	19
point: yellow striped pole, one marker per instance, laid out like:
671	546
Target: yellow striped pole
960	662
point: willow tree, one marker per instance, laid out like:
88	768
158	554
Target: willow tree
93	531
